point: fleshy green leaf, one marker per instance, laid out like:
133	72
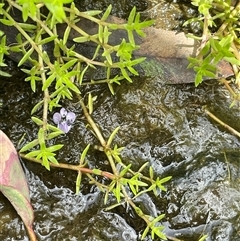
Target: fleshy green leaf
7	22
84	153
29	145
26	56
110	139
78	182
37	121
107	13
54	148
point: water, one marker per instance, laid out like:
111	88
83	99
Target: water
162	124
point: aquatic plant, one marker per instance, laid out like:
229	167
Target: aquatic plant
61	75
219	21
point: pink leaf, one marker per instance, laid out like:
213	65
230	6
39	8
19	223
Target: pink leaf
13	183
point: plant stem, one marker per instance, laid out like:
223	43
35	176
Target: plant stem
72	167
98	134
232	130
91	122
43	76
225	82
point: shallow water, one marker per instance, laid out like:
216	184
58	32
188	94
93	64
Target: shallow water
162	124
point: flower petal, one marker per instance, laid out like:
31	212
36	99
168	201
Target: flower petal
70	118
64	127
63	112
57	118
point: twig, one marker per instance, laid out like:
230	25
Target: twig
233	131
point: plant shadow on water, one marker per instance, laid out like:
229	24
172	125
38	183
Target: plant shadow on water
161	124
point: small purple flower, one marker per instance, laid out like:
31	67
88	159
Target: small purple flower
64	119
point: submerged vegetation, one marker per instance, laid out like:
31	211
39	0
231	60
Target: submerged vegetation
63	73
